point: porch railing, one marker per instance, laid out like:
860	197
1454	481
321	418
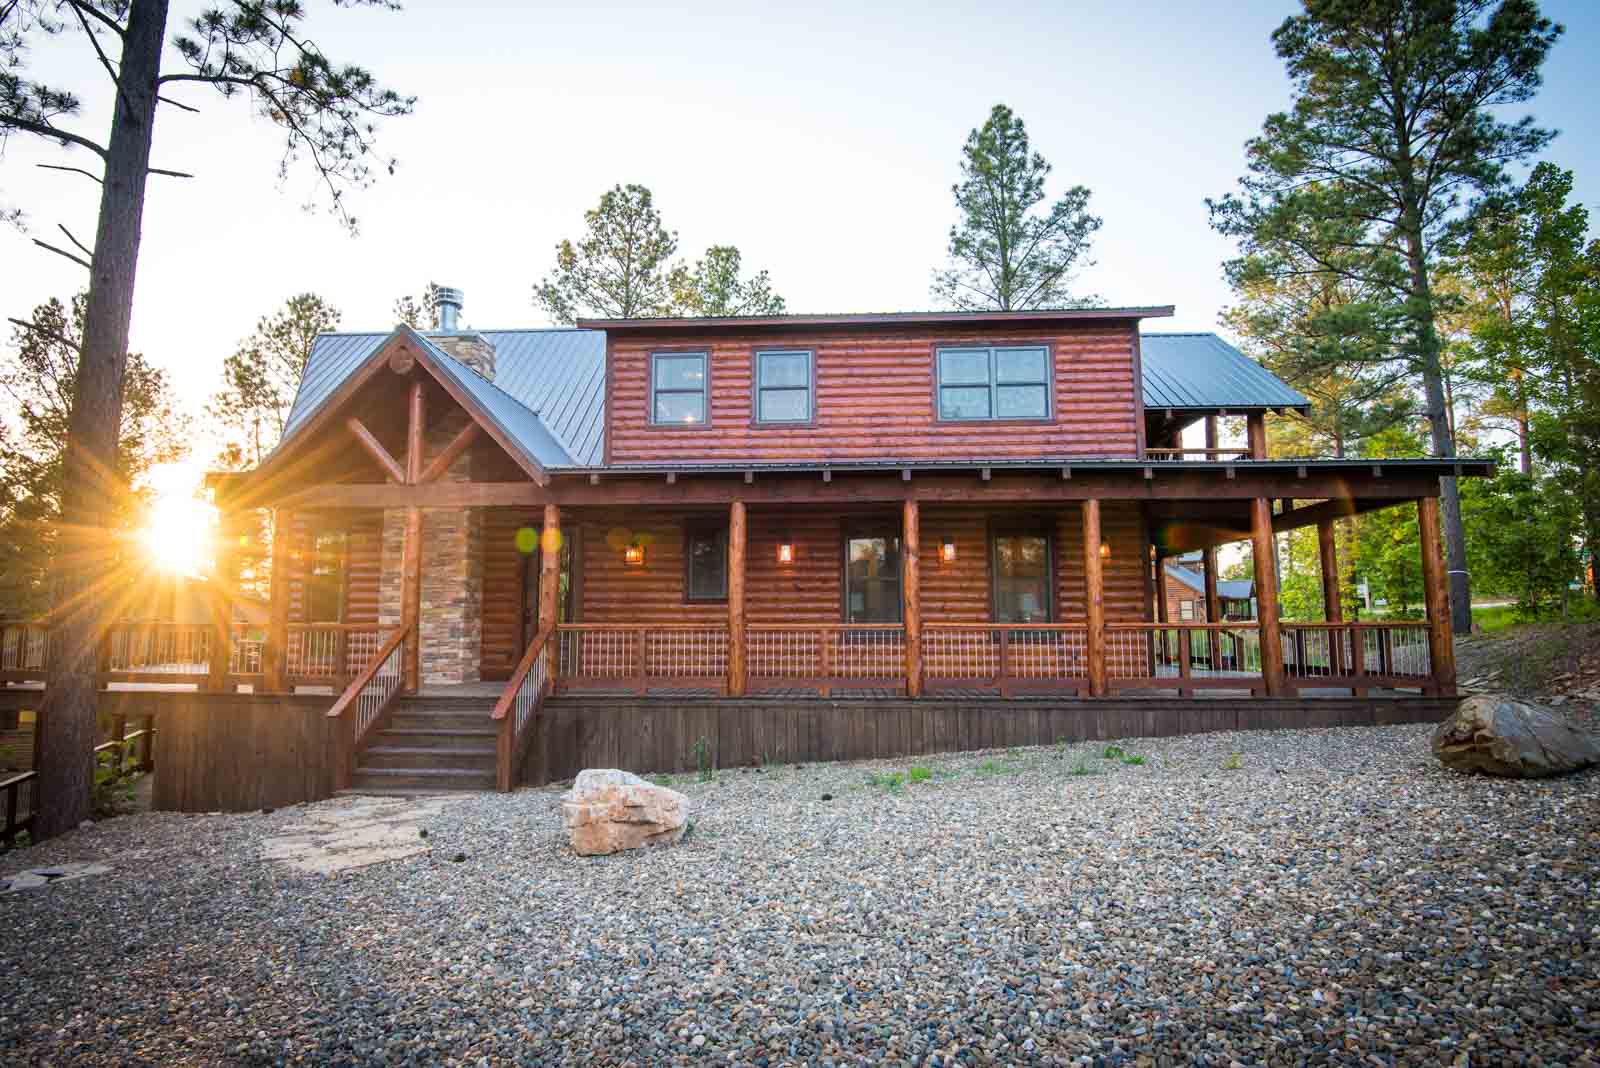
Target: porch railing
1010	657
156	651
519	704
828	656
370	695
689	655
1006	656
328	652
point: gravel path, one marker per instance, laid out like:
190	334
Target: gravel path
1315	897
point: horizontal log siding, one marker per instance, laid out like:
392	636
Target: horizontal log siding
875	400
809	589
502	591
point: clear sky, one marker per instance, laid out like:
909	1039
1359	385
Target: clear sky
822	139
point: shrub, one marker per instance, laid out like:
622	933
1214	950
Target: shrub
1113	752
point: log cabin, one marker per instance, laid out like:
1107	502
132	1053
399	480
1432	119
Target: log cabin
503	555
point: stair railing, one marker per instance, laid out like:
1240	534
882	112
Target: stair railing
519	704
362	706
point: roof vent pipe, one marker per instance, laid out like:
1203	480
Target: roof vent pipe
449	301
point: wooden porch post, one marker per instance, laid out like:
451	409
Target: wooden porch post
1208	570
1263	548
737	536
1436	594
221	632
550	583
1256	425
1094	598
1161	589
275	657
911	591
411	553
1211	434
1332	605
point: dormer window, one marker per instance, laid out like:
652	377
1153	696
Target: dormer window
1002	382
678	383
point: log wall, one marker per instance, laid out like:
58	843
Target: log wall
647	735
875	399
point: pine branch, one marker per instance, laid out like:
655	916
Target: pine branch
62	252
75	170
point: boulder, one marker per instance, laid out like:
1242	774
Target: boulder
607	811
1500	736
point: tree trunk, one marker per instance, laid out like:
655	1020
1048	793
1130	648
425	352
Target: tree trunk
1439	430
82	581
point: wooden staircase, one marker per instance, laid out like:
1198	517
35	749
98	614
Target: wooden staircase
431	744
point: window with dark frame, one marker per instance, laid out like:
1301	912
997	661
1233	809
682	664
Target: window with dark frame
678	388
872	578
1186	611
1002	382
325	577
706	564
785	386
1021	563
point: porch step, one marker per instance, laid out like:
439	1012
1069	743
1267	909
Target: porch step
438	757
436	737
437	780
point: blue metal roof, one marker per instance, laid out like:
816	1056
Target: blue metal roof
1229	589
548	391
1204	371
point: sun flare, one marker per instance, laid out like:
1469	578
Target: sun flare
177	532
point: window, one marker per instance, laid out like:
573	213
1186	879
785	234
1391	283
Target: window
1186	611
706	564
325	578
994	383
677	388
1021	578
872	578
784	392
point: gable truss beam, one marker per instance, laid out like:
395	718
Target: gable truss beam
458	444
374	448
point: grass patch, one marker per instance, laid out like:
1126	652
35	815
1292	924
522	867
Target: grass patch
920	774
1113	752
1133	759
891	781
1234	762
1082	767
991	768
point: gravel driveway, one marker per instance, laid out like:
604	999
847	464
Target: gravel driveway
1321	897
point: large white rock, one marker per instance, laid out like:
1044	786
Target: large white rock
1499	736
607	811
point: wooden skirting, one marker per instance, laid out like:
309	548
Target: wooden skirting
659	734
234	752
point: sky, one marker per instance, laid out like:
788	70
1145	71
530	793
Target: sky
821	139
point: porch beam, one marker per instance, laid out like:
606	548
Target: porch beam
1436	595
938	488
1263	550
274	656
374	448
911	592
737	536
458	445
1094	600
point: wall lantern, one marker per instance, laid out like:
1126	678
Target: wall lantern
947	551
1105	550
786	551
633	556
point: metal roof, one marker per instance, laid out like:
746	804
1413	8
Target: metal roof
548	391
1232	589
1204	371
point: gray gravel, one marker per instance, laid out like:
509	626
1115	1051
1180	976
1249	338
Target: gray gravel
1292	897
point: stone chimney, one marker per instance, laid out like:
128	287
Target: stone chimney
467	346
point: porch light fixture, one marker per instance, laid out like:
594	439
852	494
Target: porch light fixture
786	551
1105	550
947	551
633	556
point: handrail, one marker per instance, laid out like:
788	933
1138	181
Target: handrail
1064	627
715	624
519	703
368	673
525	665
11	786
